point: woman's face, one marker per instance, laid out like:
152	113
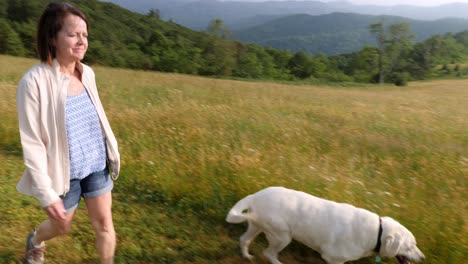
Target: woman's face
71	41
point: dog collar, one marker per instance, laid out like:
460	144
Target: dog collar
379	237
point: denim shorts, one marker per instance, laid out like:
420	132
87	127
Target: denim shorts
93	185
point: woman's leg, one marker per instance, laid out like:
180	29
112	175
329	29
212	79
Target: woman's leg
51	228
100	214
58	225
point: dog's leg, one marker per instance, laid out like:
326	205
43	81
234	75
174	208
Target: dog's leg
276	243
247	238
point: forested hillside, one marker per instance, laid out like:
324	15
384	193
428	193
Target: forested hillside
118	37
121	38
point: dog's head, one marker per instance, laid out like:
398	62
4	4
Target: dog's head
399	242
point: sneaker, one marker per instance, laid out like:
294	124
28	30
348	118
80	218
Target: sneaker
34	254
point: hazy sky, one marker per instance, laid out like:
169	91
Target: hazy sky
406	2
383	2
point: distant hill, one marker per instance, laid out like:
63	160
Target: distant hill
196	14
336	33
144	6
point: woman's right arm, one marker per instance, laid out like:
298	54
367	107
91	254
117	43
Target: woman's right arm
28	100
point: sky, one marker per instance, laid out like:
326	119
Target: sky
406	2
383	2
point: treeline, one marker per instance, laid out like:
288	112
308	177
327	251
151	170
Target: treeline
121	38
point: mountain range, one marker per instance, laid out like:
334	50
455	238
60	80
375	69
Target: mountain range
310	26
336	33
196	14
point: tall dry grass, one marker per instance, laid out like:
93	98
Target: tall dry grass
192	146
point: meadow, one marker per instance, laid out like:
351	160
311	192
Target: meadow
192	146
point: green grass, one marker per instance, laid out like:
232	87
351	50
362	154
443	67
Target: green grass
192	146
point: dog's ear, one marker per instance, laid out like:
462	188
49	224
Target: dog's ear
391	237
391	245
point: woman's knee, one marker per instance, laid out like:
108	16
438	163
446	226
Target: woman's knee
100	212
103	224
62	227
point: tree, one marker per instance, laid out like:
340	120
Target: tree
462	38
216	28
320	65
265	60
10	42
3	8
301	65
365	65
22	10
218	56
394	44
248	66
378	30
444	49
154	13
98	53
398	45
280	61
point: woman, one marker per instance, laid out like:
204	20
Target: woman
68	146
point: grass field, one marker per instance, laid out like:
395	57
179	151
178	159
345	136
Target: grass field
192	146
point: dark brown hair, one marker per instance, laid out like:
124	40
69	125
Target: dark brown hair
50	23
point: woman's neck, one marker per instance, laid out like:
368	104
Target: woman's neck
67	67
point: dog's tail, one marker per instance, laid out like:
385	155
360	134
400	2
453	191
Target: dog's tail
240	212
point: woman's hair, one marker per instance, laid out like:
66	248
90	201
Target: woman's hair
50	23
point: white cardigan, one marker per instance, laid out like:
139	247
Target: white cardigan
41	99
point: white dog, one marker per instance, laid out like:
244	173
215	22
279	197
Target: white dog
339	232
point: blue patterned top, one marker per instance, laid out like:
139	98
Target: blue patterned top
85	138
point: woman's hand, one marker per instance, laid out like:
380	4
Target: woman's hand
56	211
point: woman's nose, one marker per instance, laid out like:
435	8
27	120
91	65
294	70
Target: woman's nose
81	39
